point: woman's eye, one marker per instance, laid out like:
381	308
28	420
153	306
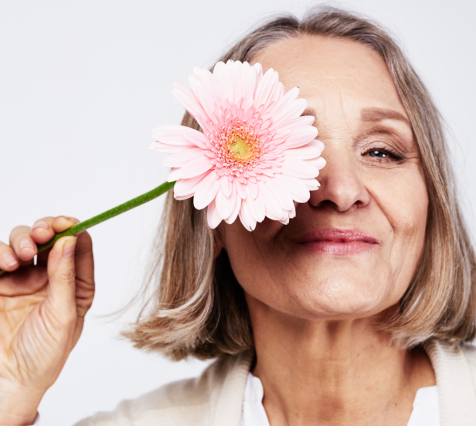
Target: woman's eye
379	154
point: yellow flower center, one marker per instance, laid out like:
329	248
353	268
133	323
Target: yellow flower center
240	148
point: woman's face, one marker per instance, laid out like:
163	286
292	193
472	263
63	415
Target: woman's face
352	250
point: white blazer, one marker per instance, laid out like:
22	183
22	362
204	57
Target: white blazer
216	397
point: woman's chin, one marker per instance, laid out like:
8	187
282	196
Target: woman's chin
339	299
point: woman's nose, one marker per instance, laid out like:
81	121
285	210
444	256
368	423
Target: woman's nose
341	185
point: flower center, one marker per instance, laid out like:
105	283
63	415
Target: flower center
239	148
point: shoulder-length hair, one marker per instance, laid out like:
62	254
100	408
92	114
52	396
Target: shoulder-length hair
196	306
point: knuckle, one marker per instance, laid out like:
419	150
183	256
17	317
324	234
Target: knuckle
66	275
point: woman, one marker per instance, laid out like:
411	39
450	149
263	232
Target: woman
358	312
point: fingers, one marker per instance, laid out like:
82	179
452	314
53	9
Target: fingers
45	229
48	227
42	230
84	263
22	244
61	277
8	259
62	223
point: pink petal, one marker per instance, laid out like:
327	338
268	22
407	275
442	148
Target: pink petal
194	137
180	158
235	71
173	175
179	136
170	135
246	218
298	168
301	136
280	91
206	191
256	206
225	204
281	194
266	88
249	80
195	167
167	149
296	188
187	186
317	162
284	106
294	123
285	221
272	208
183	197
188	100
311	184
305	152
234	214
213	218
224	79
204	95
239	189
252	189
226	185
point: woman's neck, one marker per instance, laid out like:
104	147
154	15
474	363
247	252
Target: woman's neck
334	372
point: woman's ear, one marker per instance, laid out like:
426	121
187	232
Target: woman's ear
218	240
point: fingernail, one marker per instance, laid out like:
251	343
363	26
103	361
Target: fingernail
40	225
9	260
26	244
68	248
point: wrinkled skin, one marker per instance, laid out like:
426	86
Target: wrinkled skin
322	304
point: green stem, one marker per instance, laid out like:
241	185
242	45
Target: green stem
102	217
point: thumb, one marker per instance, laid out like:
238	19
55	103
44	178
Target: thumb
61	275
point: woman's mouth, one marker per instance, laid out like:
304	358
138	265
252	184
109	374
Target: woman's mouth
338	242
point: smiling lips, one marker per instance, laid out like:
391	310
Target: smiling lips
338	242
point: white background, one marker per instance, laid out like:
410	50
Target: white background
82	83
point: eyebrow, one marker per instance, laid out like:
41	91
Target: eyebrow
379	114
371	114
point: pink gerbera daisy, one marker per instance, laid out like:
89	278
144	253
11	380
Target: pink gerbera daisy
256	156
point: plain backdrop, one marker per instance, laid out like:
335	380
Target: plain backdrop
82	83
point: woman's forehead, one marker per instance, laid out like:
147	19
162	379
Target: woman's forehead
332	73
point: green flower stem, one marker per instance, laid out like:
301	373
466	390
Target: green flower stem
128	205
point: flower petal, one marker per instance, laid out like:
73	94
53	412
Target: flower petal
225	80
234	214
206	191
187	98
272	208
180	158
173	175
256	206
213	218
246	217
226	185
305	152
286	107
280	193
195	167
167	149
266	88
187	186
224	204
296	188
301	136
299	169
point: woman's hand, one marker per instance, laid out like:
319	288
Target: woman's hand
42	311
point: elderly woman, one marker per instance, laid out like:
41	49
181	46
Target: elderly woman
360	311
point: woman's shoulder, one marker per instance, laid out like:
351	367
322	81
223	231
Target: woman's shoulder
185	402
469	352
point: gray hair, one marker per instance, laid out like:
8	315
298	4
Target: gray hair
198	308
